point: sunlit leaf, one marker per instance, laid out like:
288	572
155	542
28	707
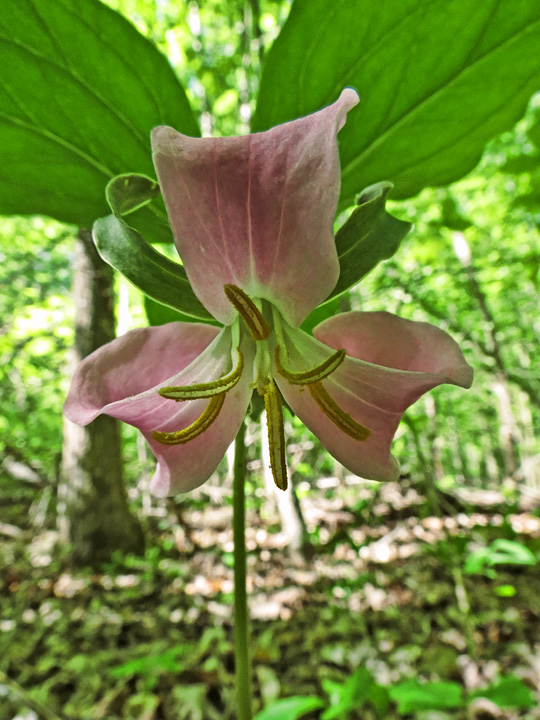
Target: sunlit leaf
499	552
508	692
412	696
290	708
351	695
81	89
436	81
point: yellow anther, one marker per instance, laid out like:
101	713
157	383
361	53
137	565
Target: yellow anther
257	325
315	374
206	390
336	414
202	423
276	434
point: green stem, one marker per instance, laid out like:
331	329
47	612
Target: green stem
241	617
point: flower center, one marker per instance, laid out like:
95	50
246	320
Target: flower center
270	344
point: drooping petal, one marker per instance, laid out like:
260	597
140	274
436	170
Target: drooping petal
391	362
122	379
384	339
251	211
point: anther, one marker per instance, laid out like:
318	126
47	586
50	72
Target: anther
276	434
202	423
257	325
315	374
336	414
206	390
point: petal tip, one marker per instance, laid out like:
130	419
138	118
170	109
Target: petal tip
462	376
77	413
346	101
349	97
161	138
160	484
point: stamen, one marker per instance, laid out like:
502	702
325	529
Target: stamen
336	414
257	325
202	423
276	434
315	374
205	390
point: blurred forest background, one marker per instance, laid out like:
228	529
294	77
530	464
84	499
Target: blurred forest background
428	589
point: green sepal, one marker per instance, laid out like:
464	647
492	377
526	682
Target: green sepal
129	192
155	275
158	314
369	235
315	317
136	200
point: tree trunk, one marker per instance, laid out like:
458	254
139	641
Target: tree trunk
93	515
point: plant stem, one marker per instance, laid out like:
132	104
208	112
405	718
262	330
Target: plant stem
241	618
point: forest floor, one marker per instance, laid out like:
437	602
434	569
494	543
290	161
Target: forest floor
388	587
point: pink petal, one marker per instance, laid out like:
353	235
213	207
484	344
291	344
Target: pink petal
121	379
385	339
253	210
392	363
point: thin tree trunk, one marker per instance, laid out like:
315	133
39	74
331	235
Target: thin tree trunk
93	515
508	431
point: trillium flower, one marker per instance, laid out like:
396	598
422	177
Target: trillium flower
252	219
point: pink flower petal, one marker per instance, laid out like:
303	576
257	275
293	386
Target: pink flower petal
121	379
385	339
253	210
391	362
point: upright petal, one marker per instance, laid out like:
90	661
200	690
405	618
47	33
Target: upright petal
122	379
251	211
391	362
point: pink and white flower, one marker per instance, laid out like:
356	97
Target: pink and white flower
252	219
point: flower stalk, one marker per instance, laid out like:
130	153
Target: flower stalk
241	618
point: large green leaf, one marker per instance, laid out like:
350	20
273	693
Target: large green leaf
436	79
80	90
